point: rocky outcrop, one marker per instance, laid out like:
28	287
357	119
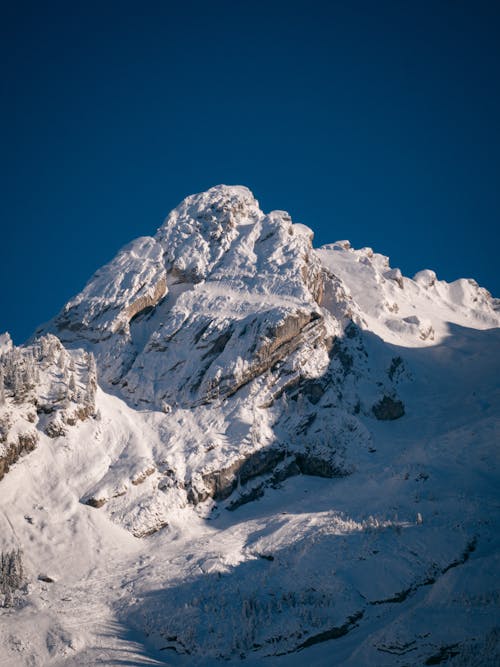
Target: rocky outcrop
332	633
277	344
96	502
26	442
12	578
317	466
273	464
146	301
219	484
278	338
388	408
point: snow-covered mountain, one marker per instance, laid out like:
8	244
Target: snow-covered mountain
233	446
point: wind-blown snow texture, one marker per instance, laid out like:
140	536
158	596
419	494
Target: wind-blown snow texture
289	454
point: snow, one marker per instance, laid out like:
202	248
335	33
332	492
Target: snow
5	342
388	300
232	358
136	273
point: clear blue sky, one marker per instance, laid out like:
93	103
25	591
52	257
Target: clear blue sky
376	121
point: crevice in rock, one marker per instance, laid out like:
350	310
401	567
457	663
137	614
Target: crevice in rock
332	633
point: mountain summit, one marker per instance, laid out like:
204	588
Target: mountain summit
292	446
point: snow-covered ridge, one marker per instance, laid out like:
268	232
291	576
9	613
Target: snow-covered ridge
197	233
134	280
404	311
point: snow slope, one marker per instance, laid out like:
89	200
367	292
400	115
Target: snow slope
291	455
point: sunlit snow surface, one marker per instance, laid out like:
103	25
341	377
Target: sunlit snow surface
394	563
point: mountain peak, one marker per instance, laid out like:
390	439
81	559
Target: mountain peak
222	204
218	265
226	361
197	233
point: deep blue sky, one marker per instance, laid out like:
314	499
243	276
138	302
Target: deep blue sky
376	121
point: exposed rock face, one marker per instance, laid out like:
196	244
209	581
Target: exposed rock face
319	467
266	464
221	483
26	442
146	301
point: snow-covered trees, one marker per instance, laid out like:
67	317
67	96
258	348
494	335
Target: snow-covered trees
72	384
61	361
45	385
91	388
18	372
48	349
12	577
2	389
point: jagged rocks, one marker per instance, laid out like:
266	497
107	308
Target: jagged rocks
56	426
143	475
